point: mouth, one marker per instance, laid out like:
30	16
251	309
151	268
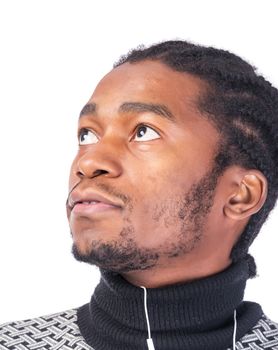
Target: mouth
91	207
90	203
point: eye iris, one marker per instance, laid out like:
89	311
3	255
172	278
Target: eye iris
141	131
83	136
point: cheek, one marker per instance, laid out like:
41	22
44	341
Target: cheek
159	196
166	178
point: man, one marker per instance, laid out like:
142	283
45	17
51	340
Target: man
176	173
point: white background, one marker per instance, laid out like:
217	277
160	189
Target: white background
52	54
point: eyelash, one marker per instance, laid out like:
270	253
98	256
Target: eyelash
143	125
133	134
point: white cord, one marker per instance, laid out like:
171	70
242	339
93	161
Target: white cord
149	340
235	328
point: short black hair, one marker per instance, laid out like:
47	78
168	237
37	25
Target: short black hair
243	106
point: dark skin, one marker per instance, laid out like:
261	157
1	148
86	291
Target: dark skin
148	172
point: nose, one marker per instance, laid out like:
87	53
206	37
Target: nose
97	160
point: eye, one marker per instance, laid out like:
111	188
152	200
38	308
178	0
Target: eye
87	137
145	133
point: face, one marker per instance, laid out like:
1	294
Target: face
143	181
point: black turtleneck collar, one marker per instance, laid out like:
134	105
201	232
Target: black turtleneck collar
197	315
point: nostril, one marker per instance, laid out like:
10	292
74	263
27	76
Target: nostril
99	172
96	173
79	173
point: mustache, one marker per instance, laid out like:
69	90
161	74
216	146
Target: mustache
106	189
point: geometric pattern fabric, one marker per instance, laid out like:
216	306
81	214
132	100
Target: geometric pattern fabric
264	335
59	331
53	332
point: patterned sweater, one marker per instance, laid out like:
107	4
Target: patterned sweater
60	332
197	315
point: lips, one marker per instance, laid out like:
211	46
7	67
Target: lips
91	202
87	202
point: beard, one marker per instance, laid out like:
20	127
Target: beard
184	216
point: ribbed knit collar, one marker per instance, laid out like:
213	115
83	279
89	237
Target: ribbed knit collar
196	315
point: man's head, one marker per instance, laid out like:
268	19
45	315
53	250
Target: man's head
177	147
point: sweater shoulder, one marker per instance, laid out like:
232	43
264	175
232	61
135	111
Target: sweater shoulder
57	331
264	335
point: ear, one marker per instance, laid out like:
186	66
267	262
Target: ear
248	197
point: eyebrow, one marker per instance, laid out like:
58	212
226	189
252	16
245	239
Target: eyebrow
89	108
127	107
159	109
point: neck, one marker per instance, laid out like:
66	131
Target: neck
195	315
172	274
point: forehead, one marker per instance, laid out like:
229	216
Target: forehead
154	83
149	82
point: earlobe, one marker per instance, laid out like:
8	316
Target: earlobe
249	196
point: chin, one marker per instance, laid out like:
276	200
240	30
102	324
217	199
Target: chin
81	252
